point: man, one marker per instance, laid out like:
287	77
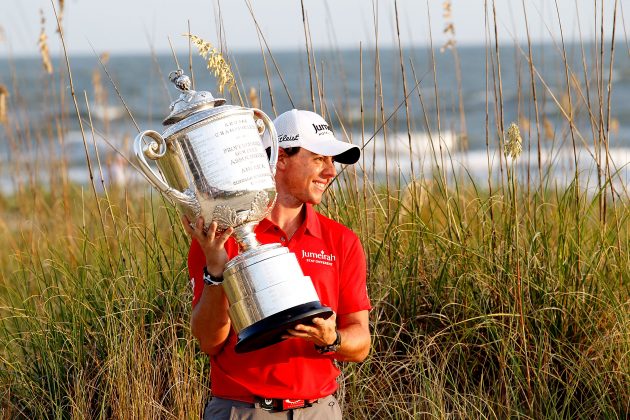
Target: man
299	371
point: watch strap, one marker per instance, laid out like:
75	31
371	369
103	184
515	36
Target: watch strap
330	348
211	280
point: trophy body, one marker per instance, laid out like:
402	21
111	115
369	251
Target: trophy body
213	165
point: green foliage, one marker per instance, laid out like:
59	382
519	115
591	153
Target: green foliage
449	335
478	312
96	326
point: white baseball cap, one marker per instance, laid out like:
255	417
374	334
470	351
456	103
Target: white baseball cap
306	129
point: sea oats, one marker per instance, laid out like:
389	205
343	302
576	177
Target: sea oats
548	128
524	123
42	43
100	94
97	85
60	14
214	62
614	125
448	45
4	95
514	142
449	26
254	100
446	9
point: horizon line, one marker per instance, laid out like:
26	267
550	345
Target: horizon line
250	50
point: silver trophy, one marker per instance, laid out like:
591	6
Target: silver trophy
213	164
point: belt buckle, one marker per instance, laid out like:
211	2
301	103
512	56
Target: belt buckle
266	404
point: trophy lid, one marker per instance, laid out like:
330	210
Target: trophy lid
190	101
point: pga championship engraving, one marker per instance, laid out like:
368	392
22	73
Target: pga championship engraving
213	165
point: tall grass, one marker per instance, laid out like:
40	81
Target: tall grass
96	324
448	337
496	299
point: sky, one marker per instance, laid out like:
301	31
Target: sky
140	26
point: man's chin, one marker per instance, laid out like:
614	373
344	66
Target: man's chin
314	200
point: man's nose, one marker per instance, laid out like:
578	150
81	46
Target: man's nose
330	170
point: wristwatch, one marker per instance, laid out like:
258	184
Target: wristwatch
330	348
211	280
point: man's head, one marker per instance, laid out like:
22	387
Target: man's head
308	150
306	129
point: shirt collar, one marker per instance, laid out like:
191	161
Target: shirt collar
311	223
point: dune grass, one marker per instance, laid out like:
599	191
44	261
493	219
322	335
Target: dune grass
455	335
96	325
93	325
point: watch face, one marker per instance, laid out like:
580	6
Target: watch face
328	349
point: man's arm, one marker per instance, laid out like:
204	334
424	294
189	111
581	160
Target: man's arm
354	329
210	322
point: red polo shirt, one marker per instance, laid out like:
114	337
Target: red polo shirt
332	256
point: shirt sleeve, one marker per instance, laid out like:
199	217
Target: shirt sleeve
196	262
353	296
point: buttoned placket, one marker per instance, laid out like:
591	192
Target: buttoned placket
283	236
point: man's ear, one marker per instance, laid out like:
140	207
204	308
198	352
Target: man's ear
282	158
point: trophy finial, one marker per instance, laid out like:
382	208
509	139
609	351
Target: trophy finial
180	80
189	101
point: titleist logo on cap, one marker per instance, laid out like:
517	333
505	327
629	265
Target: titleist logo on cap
320	127
284	137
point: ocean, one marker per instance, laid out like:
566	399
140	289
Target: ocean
450	119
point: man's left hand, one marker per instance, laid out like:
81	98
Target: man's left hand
321	332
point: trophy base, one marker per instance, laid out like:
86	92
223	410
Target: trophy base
269	330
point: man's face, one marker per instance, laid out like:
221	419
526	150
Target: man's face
305	176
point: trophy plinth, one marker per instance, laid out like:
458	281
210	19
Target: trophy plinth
213	165
269	330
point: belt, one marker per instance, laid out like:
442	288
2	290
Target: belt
274	404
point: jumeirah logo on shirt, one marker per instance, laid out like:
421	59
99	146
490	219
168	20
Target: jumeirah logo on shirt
319	257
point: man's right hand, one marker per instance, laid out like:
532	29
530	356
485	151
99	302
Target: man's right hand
211	242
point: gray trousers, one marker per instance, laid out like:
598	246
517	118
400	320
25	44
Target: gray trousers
221	409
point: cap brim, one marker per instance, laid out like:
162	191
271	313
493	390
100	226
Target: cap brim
350	156
342	152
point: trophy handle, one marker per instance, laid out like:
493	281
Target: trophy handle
154	151
273	158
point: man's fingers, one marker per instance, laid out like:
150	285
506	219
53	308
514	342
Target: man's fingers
199	223
212	230
186	224
225	235
321	322
318	321
196	229
312	333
